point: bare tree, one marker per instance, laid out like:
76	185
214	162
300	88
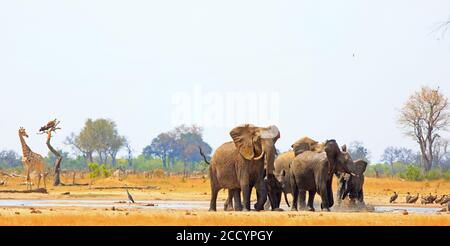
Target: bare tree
440	151
390	155
129	152
52	126
442	27
423	116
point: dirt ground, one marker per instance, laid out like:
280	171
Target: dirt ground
377	192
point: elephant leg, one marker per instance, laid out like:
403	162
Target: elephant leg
237	200
302	199
246	192
295	194
213	203
228	205
261	194
340	192
324	204
361	198
311	195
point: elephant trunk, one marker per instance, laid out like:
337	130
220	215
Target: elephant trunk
269	159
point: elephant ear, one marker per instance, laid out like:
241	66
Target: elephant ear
360	167
243	139
271	132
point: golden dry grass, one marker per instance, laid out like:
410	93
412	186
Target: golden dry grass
79	217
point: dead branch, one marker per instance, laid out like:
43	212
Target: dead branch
40	190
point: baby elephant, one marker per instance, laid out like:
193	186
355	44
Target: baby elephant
352	185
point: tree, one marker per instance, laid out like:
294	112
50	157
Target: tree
189	139
98	136
129	153
423	116
358	151
180	143
442	27
398	154
114	145
440	151
161	147
59	157
390	155
407	156
10	158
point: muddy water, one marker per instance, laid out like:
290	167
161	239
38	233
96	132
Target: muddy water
399	209
200	205
196	205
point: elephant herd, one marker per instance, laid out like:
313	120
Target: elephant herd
251	161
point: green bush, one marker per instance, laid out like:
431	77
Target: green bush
446	175
412	173
94	170
99	170
433	174
105	171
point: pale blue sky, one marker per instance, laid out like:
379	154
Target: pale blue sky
124	59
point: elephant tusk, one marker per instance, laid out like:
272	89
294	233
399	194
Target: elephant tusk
286	199
259	157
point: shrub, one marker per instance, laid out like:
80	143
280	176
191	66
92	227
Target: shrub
446	175
433	174
412	173
159	173
99	170
94	170
105	171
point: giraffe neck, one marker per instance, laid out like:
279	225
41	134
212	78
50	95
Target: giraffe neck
25	149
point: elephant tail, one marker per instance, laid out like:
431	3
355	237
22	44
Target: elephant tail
203	155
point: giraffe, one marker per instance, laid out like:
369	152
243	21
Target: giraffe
31	161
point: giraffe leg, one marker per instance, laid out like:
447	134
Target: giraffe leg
29	185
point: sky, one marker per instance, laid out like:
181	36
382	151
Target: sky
326	69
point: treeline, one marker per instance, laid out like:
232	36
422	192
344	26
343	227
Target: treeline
99	142
180	144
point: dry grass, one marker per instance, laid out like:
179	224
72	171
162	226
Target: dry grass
62	217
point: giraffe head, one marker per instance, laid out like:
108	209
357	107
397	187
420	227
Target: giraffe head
22	132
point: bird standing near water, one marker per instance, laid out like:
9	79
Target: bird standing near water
431	199
393	197
438	200
414	199
408	196
130	197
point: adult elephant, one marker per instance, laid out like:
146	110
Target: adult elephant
313	172
282	170
240	164
282	166
352	186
